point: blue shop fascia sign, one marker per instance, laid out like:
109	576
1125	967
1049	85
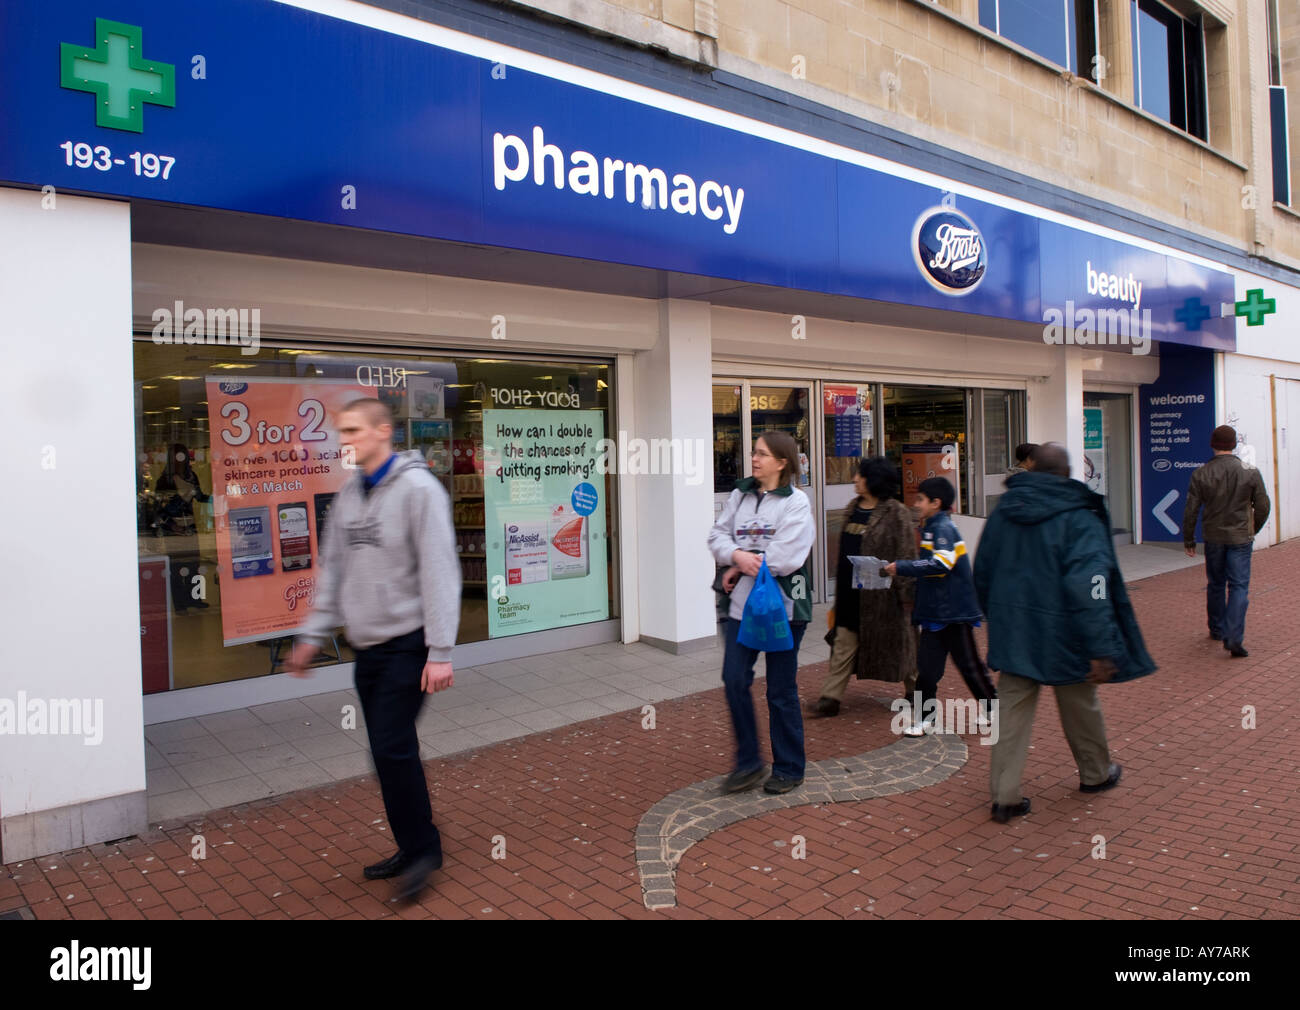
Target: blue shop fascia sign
265	108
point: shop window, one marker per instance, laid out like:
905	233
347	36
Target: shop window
966	436
1169	66
1108	456
728	439
925	436
237	464
849	429
1063	31
783	408
999	425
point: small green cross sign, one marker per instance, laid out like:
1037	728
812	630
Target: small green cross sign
118	75
1256	307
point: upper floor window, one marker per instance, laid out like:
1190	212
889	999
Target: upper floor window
1274	45
1169	66
1063	31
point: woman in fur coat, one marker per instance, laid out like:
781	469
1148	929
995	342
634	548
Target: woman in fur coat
871	638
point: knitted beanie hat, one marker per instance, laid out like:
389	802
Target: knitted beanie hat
1224	438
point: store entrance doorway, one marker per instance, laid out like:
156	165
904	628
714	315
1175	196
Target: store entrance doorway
1108	457
742	410
1286	427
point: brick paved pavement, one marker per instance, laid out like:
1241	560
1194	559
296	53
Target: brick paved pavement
683	818
1205	824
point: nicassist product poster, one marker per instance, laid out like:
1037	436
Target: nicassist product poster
276	466
546	560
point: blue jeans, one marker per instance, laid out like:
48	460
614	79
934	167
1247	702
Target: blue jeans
784	717
1227	566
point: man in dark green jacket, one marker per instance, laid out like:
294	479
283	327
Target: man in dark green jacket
1059	615
1236	508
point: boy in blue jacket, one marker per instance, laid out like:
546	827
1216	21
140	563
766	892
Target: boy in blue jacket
946	609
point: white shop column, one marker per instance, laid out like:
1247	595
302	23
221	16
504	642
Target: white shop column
674	511
1055	405
71	721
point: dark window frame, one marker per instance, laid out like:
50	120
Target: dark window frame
1187	79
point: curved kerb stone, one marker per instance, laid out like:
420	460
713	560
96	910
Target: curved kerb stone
684	817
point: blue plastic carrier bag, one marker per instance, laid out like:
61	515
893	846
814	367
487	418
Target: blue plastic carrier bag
763	625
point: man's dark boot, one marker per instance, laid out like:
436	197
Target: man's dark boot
1236	650
824	707
386	868
1003	812
1100	787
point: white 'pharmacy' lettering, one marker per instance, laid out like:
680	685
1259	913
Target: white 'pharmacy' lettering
589	176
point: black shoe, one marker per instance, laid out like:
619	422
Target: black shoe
1004	812
738	782
416	875
824	707
1101	787
777	785
1236	649
386	868
199	604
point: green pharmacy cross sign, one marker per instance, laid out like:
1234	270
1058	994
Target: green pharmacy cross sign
118	75
1256	307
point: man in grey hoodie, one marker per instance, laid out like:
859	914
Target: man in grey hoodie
390	576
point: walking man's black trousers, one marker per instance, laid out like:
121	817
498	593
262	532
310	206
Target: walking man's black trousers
388	683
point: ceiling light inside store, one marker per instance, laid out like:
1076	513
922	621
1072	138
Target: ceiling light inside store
233	364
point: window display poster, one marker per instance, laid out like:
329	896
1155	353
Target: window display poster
848	435
1094	450
424	397
839	401
547	566
924	461
1094	470
276	466
844	406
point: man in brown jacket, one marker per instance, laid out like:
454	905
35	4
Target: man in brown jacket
1236	508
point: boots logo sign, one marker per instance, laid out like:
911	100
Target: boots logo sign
949	250
115	71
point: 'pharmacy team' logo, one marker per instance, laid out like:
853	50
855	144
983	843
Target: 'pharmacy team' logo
117	74
949	250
